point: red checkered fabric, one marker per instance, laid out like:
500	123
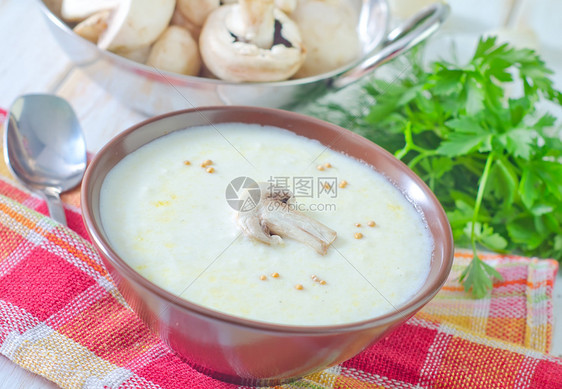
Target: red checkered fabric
63	318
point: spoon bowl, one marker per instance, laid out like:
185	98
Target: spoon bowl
44	147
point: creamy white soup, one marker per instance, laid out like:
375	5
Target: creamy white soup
164	208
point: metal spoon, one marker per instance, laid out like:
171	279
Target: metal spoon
45	148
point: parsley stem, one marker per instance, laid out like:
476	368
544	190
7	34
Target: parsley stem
408	142
420	156
479	197
411	146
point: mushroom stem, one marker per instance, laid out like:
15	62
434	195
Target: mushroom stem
274	218
253	22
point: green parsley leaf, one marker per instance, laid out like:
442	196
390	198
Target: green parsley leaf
477	277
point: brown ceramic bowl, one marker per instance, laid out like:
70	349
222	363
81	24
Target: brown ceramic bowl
245	351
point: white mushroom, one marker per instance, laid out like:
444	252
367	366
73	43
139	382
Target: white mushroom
92	27
274	217
196	11
175	51
328	29
78	10
251	41
136	23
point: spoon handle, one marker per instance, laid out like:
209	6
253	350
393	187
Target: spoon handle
54	203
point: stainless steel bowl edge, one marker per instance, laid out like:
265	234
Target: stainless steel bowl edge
152	91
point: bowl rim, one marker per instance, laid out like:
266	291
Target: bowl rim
107	253
182	78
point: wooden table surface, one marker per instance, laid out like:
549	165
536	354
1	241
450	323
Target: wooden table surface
33	61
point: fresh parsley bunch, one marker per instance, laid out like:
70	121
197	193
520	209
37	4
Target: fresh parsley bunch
484	149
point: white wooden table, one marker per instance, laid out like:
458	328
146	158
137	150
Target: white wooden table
32	61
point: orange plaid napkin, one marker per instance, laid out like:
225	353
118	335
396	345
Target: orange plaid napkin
63	318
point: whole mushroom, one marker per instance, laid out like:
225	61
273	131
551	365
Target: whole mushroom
175	51
95	25
136	23
329	33
251	41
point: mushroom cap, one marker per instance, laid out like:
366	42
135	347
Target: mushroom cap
175	51
238	61
136	23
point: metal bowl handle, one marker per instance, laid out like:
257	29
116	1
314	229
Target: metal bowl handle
398	41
